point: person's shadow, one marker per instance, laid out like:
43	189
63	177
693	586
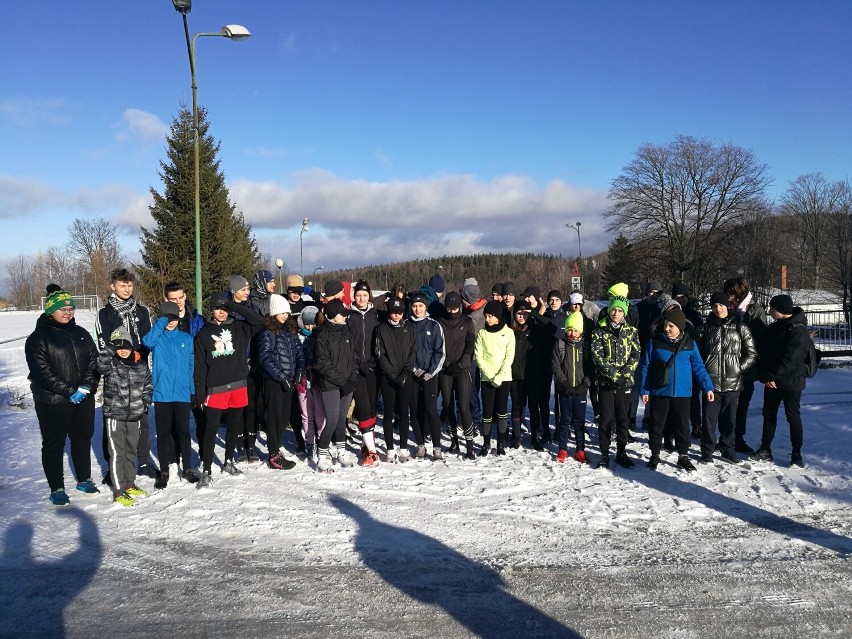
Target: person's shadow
431	572
34	594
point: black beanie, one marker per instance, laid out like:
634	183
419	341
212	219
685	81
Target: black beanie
676	317
494	308
782	303
719	298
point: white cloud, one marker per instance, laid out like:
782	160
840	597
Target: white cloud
355	222
141	126
22	197
26	112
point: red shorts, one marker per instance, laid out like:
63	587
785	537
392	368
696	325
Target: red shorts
237	398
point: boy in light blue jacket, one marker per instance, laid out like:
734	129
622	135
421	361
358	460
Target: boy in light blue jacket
174	363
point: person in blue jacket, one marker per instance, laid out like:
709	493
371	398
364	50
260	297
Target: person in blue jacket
671	400
174	387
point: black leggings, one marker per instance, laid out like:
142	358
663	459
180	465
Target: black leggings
495	402
233	421
278	403
424	411
397	400
365	400
455	389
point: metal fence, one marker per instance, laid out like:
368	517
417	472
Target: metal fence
831	331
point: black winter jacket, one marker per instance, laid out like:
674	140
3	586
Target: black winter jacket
570	364
459	338
337	362
728	350
785	346
61	358
362	326
109	320
281	354
127	385
220	352
394	348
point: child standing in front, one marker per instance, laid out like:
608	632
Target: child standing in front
570	362
127	395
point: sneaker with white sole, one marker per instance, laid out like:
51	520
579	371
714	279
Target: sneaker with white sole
232	469
390	456
88	487
403	455
205	481
421	452
325	465
345	459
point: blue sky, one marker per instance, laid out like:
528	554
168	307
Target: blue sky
406	129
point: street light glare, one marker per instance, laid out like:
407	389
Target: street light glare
236	32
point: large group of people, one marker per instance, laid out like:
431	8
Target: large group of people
422	361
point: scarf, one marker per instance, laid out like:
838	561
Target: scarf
126	310
742	307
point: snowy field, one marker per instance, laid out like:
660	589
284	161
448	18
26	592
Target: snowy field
517	546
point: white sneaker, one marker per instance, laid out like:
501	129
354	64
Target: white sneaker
390	457
346	459
324	465
403	455
421	452
437	454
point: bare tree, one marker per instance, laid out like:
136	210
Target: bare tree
838	251
94	243
690	195
20	281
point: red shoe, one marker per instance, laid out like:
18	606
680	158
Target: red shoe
562	456
580	456
370	458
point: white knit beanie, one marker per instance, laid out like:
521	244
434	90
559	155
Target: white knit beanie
278	304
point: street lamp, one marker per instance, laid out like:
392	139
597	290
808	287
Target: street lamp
301	249
234	32
279	263
318	268
576	227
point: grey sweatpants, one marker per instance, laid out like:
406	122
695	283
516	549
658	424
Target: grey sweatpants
123	438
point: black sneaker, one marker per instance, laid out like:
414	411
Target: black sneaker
190	476
623	460
454	446
162	481
796	460
695	433
147	470
483	452
253	457
730	458
706	459
683	462
742	447
603	462
107	480
499	450
516	442
668	445
537	445
653	462
761	454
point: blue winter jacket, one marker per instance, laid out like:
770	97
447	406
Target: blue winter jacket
687	363
429	345
174	362
281	355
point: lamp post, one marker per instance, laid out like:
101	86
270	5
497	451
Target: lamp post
301	249
234	32
279	263
576	227
318	268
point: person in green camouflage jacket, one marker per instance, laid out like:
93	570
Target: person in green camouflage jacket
615	352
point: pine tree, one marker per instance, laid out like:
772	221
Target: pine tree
168	249
621	265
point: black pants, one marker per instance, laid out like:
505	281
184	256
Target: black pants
742	409
455	395
721	412
673	411
277	406
424	411
253	414
233	422
538	399
495	403
615	415
519	395
772	398
58	424
397	401
365	400
172	422
143	448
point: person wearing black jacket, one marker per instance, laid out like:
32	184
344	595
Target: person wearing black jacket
221	369
781	369
570	363
454	380
362	321
395	355
336	369
121	309
727	348
61	357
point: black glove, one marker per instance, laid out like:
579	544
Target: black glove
400	380
286	385
348	387
562	388
495	383
193	402
366	368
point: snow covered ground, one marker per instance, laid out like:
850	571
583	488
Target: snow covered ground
517	546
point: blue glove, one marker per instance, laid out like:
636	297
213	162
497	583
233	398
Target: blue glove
79	395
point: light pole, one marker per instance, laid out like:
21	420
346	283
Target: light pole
576	227
318	268
234	32
279	263
301	249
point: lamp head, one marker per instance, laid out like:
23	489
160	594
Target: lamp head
279	263
182	6
305	221
235	32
